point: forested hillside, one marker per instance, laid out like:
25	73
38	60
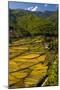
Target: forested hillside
26	23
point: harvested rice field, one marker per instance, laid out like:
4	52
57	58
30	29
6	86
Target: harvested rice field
26	63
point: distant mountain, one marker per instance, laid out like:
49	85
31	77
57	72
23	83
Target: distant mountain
53	17
21	12
43	14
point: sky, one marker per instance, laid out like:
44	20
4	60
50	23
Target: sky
33	6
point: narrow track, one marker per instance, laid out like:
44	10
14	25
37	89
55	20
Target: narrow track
43	84
43	81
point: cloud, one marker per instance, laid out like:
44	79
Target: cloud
32	8
29	8
35	8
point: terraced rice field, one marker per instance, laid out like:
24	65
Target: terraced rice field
27	66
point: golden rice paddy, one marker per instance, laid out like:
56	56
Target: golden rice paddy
29	68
